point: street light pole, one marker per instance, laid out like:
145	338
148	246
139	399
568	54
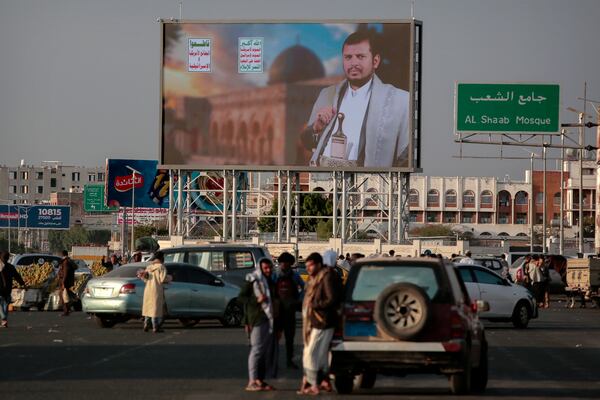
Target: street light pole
134	172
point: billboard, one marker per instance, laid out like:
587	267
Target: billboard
93	199
150	185
34	216
142	215
507	108
298	95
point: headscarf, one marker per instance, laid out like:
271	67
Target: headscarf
330	258
260	286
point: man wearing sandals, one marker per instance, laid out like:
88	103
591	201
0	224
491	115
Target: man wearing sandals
320	317
258	296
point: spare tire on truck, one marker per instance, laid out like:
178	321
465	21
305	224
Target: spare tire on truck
402	310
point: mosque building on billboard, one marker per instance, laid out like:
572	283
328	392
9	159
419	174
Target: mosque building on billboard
260	126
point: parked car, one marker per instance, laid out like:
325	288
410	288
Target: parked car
227	261
192	295
508	301
20	260
409	315
557	265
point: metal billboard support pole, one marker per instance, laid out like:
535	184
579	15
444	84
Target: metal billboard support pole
279	206
390	207
225	200
335	202
562	194
179	203
344	206
399	209
188	202
171	204
234	206
531	228
297	204
544	204
288	208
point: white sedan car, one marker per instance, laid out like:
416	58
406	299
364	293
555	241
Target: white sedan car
508	302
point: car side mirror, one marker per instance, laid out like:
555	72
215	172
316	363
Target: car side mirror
482	306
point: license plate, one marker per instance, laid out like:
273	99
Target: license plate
360	329
103	292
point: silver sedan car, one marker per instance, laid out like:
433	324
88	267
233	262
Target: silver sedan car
192	294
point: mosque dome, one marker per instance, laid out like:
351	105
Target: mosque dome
294	64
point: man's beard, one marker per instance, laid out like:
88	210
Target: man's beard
359	82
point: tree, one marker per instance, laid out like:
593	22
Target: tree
432	230
267	224
315	205
144	230
324	229
99	237
65	240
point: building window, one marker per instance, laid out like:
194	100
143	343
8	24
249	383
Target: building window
12	175
485	219
556	199
432	216
413	216
24	175
91	177
40	189
521	198
487	198
451	198
53	182
539	218
539	198
433	198
413	198
467	218
100	176
504	199
449	217
588	171
39	175
12	189
24	189
75	176
468	198
521	218
503	218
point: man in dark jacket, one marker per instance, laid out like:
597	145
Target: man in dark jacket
66	280
258	296
289	287
320	315
8	272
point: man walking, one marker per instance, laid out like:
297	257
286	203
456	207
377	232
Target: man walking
258	297
8	272
66	280
536	275
154	276
320	317
289	287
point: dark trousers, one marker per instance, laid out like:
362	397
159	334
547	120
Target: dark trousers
538	291
288	325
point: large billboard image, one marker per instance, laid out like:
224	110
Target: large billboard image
150	185
301	96
35	216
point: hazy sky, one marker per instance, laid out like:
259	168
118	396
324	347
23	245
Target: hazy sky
79	80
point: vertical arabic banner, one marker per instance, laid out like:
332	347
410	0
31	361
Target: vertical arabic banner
250	55
199	55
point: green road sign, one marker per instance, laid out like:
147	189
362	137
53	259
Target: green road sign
93	199
507	108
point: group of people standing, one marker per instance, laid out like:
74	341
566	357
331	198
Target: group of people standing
536	276
271	301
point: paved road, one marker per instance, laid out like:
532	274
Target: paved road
44	356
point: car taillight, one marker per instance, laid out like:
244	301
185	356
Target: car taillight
128	288
474	307
457	327
359	312
452	347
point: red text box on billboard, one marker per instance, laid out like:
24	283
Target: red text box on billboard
303	96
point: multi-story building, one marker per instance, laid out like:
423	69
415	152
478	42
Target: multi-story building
34	184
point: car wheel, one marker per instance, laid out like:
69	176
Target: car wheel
24	308
40	306
521	315
344	384
460	383
233	314
105	322
402	310
368	379
188	322
479	375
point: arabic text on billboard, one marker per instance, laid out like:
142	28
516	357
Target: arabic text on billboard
151	185
35	216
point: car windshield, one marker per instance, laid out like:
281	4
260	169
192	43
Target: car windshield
124	272
373	279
